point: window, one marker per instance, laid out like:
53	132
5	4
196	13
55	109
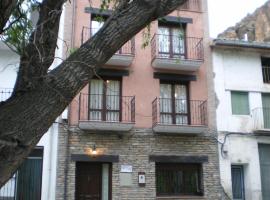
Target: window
240	103
266	69
104	100
173	103
238	187
96	23
178	179
194	5
266	110
171	41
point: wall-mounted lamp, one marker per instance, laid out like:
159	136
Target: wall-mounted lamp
91	151
94	150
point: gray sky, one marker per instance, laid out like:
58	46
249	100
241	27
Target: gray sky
226	13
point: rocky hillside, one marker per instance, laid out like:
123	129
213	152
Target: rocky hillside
254	27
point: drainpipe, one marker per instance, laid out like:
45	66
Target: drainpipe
73	23
50	161
67	154
66	164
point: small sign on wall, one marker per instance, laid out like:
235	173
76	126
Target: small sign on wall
125	179
141	178
126	168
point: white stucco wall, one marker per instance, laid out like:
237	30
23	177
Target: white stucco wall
8	67
49	143
243	150
239	71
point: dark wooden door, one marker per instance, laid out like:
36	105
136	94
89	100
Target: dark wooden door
88	181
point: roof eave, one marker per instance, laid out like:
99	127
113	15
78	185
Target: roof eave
239	44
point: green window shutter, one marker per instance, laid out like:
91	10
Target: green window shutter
266	110
240	103
264	151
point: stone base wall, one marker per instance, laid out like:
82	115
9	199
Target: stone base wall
134	149
62	160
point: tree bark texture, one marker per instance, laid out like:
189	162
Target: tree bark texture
6	8
38	55
29	113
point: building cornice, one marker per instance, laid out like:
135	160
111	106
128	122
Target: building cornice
240	44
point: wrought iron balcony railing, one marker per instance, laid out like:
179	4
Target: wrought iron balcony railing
126	49
8	191
177	47
106	108
166	111
261	118
192	5
5	93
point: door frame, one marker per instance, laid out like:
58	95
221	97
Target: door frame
100	164
241	168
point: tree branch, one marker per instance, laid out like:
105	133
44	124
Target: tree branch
25	117
6	8
15	20
41	46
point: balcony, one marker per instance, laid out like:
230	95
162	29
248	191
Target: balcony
174	52
192	5
182	117
123	57
261	120
5	93
106	113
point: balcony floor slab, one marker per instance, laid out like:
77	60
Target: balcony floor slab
177	64
262	132
120	60
105	126
184	130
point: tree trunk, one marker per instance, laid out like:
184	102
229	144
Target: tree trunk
26	116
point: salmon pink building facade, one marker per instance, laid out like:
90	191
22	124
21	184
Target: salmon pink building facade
141	128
